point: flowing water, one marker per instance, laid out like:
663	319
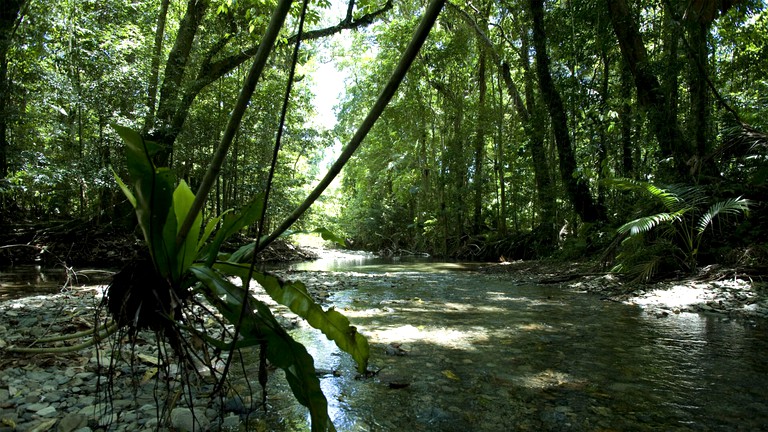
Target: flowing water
459	350
29	280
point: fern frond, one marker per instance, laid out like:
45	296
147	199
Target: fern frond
645	270
685	197
647	223
669	197
734	206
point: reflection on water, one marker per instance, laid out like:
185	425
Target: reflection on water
366	262
25	280
485	354
28	280
463	351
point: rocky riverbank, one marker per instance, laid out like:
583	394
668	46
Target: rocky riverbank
68	391
65	389
718	290
74	391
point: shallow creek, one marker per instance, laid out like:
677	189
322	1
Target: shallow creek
460	350
463	351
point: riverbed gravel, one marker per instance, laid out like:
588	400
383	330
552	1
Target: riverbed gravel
713	290
77	392
72	392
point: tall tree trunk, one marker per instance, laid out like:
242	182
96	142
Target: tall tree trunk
670	80
700	101
172	98
698	26
9	16
458	164
533	119
602	152
155	67
4	114
625	118
575	185
649	92
480	144
529	114
502	225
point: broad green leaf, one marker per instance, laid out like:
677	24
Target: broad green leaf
243	254
182	203
167	245
232	223
153	190
209	227
126	191
282	351
334	325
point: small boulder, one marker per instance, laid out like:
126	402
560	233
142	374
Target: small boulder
184	420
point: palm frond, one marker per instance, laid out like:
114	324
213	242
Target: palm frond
734	206
645	270
647	223
669	197
639	271
685	196
741	141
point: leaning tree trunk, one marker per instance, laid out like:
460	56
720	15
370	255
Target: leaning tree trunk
649	92
9	13
575	185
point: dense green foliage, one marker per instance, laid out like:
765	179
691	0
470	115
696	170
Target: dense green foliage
77	67
686	217
505	141
161	208
499	143
469	160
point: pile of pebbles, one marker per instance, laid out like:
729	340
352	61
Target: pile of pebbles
735	297
714	290
71	391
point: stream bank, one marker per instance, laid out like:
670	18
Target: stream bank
725	291
456	346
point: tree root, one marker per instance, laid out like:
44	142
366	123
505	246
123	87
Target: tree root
58	350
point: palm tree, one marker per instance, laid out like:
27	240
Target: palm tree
679	229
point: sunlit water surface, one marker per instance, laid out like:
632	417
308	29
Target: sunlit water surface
484	353
30	280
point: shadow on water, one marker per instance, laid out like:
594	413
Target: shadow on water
458	350
462	351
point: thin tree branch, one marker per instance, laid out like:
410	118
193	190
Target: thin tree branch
260	60
213	71
420	35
